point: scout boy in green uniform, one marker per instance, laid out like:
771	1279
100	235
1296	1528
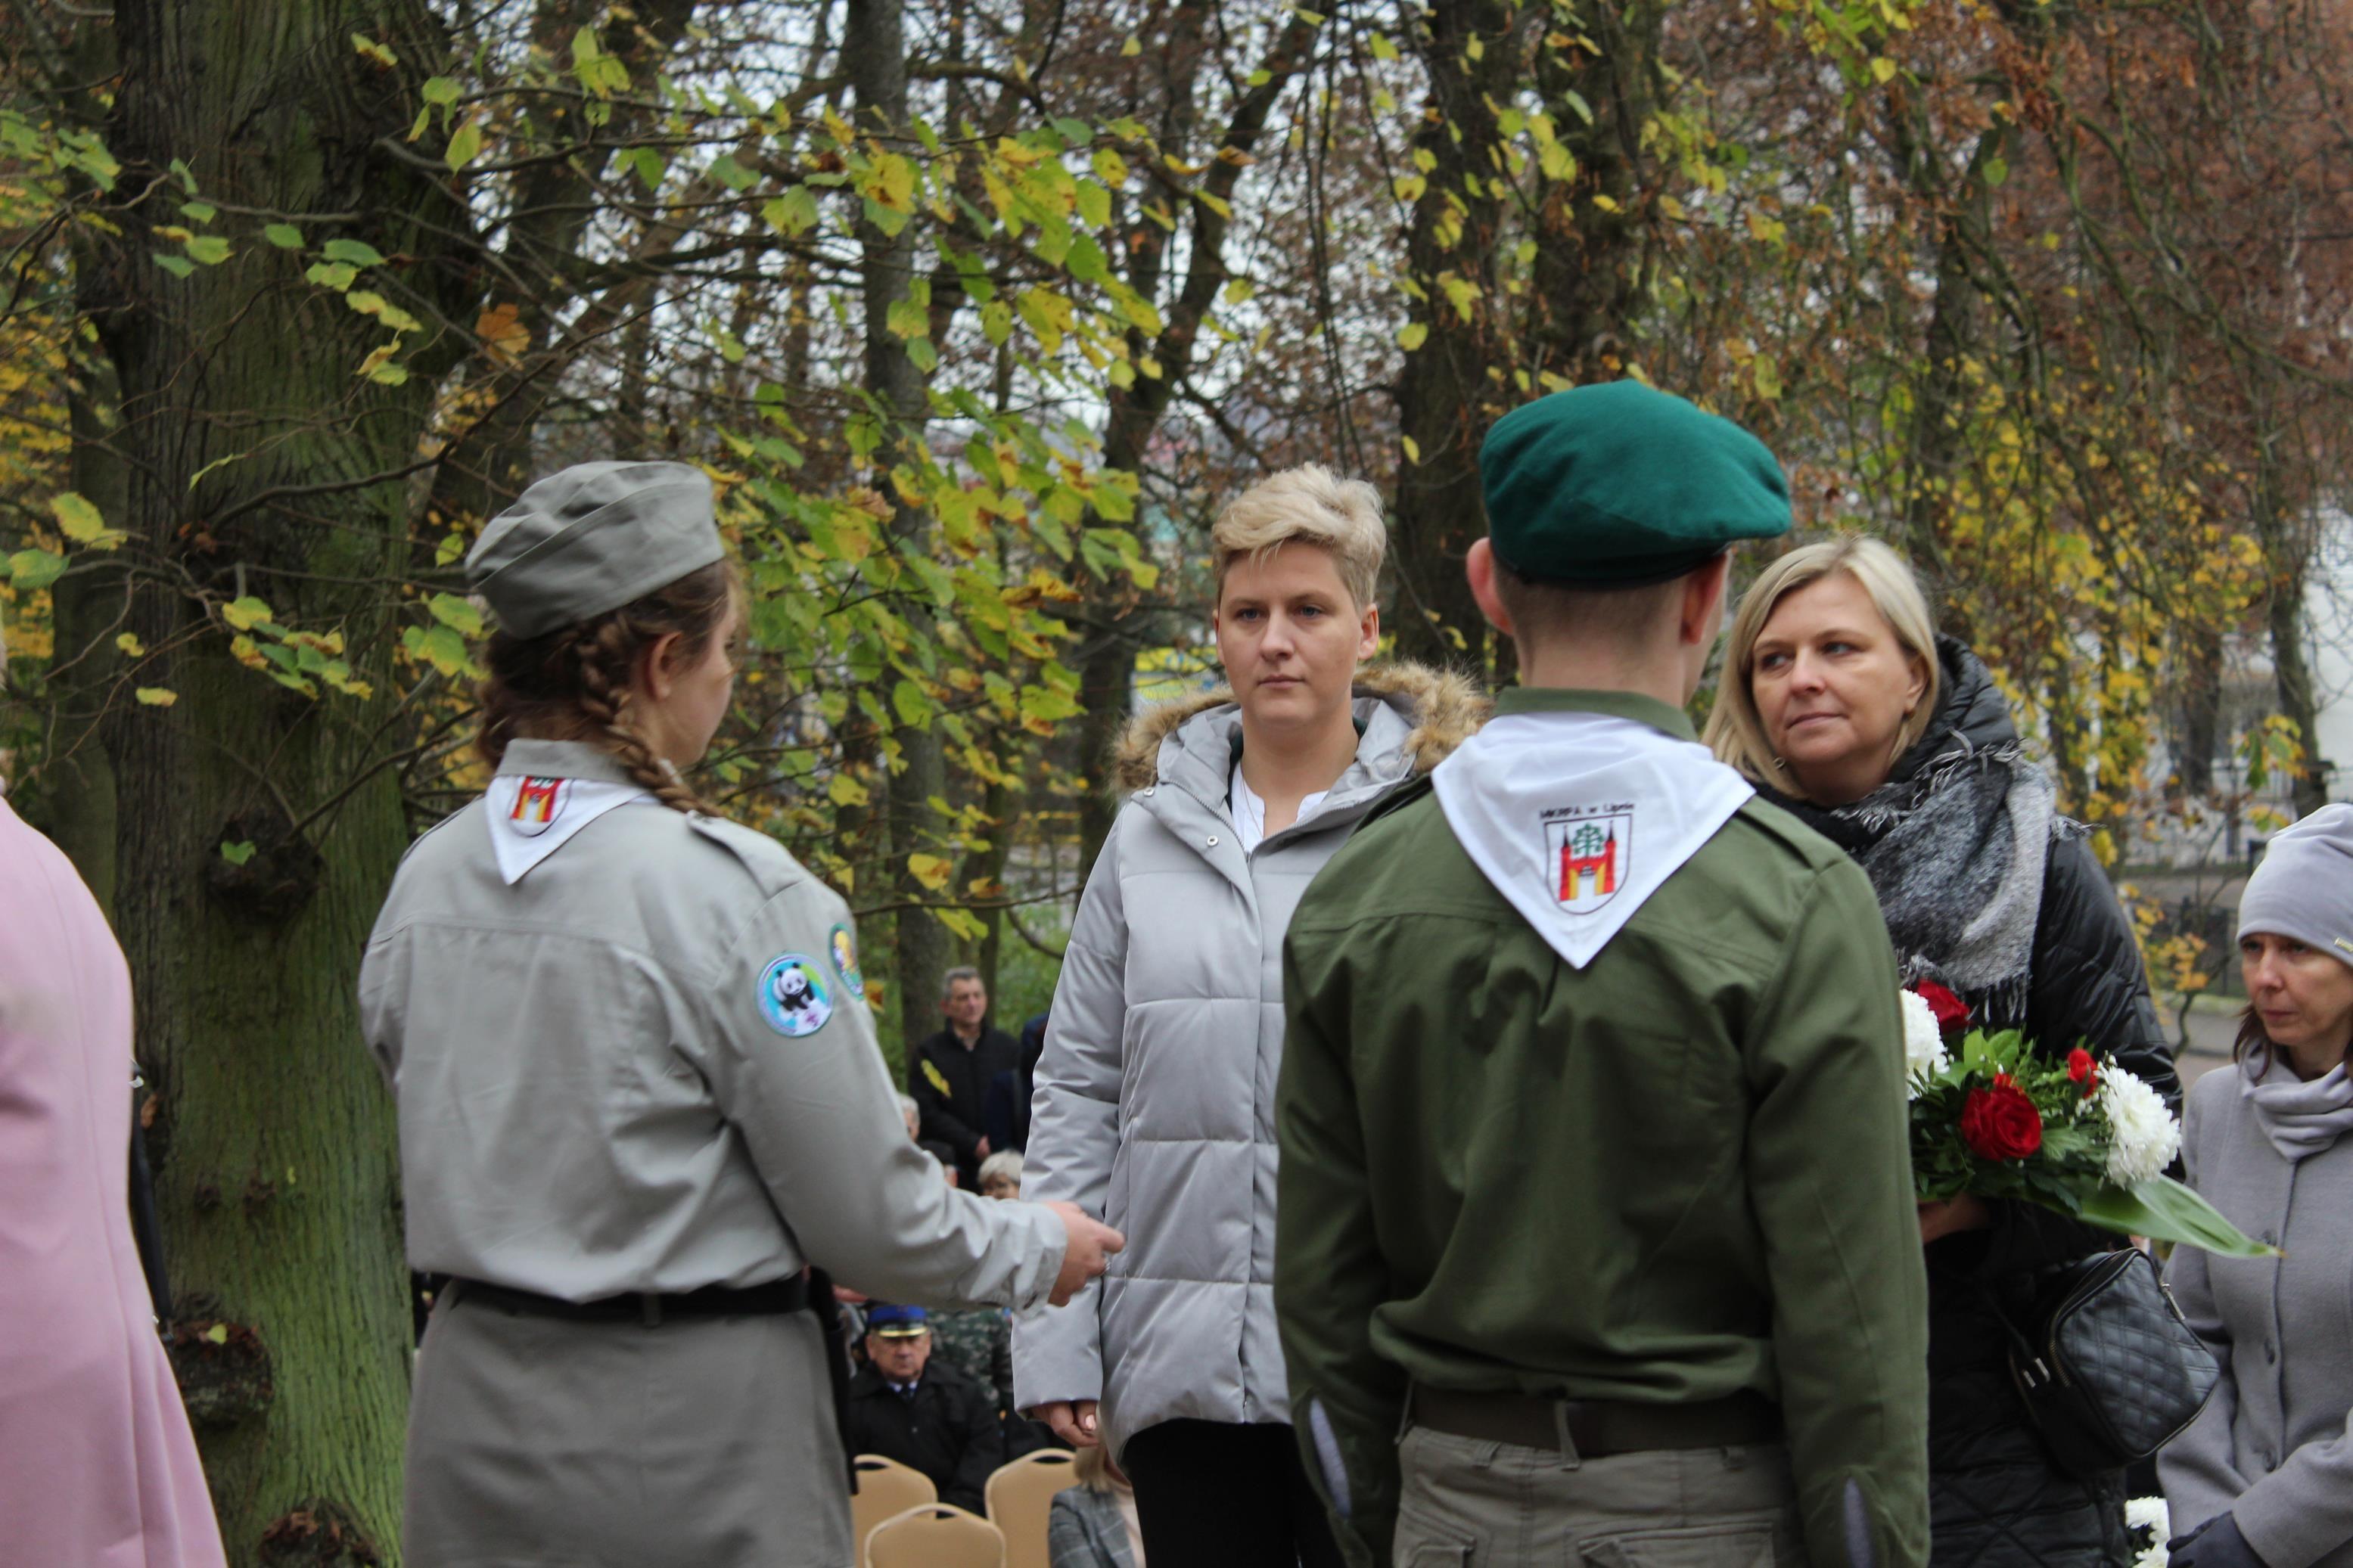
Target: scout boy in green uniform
1595	1237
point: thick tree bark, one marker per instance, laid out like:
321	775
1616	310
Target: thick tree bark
277	1161
1446	399
874	53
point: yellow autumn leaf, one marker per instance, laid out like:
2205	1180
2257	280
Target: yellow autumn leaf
129	642
931	870
156	696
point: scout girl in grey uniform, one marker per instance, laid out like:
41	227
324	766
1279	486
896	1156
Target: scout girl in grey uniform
639	1092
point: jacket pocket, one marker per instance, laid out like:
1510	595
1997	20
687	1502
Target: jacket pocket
1746	1543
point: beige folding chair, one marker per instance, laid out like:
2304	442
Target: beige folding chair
935	1536
1020	1495
886	1488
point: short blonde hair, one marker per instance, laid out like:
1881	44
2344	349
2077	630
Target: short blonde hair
1311	505
1735	731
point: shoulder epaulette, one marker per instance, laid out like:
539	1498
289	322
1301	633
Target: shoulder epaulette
1786	829
770	864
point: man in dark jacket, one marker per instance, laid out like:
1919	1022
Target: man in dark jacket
948	1073
925	1414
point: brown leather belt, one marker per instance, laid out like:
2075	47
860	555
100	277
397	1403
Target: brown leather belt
1598	1427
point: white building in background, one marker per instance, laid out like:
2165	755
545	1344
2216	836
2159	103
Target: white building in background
2248	696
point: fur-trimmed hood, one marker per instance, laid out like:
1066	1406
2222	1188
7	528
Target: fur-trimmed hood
1444	708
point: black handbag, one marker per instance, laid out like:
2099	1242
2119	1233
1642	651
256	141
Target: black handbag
2113	1373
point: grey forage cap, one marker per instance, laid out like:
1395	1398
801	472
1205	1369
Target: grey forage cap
2303	888
591	538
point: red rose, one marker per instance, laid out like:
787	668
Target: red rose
2084	1070
1952	1013
2000	1122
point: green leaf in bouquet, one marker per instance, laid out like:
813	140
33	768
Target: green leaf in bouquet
2165	1210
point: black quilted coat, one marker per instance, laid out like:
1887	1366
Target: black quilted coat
1995	1499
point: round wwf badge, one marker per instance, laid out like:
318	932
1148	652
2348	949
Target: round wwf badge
792	996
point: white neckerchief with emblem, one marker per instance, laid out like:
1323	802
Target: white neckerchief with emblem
1577	818
532	817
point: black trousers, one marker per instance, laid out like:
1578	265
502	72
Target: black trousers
1214	1494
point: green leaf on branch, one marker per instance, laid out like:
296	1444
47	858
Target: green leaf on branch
80	521
238	853
177	266
440	89
464	147
244	614
32	570
458	614
284	236
358	252
331	275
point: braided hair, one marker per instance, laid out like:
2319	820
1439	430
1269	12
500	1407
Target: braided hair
573	683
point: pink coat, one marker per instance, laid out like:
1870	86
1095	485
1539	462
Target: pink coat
98	1467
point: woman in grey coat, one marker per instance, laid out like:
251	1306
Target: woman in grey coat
1155	1101
2263	1478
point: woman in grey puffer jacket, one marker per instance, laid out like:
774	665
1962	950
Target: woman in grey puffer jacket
1155	1102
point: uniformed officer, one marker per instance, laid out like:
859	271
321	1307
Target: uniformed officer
639	1092
1595	1237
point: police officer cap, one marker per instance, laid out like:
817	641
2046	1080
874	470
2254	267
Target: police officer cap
1619	484
892	1322
590	539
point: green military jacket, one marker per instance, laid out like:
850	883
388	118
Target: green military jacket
1678	1173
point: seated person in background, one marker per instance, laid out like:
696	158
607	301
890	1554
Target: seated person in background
926	1413
1093	1523
1000	1176
978	1342
949	1073
914	1116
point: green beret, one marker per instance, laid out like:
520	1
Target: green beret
591	538
1619	484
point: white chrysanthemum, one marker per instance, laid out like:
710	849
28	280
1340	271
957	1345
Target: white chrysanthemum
2145	1137
1923	1043
2149	1511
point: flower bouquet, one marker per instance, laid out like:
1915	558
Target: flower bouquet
1993	1119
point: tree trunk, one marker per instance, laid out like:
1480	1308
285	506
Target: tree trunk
277	1164
2202	713
874	51
1446	399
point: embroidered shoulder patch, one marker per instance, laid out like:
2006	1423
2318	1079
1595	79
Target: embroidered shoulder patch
792	996
845	958
538	803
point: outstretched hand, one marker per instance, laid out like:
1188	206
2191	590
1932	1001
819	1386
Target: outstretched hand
1088	1254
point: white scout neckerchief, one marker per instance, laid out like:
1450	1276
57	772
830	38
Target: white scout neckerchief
532	818
1576	818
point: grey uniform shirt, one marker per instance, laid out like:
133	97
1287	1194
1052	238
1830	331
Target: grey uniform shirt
647	1065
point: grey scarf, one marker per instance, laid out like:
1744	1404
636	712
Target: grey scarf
2299	1117
1955	851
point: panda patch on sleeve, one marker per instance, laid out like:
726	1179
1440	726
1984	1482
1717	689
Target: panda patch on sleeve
792	996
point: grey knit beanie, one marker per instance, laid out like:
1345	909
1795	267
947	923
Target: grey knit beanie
2304	888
